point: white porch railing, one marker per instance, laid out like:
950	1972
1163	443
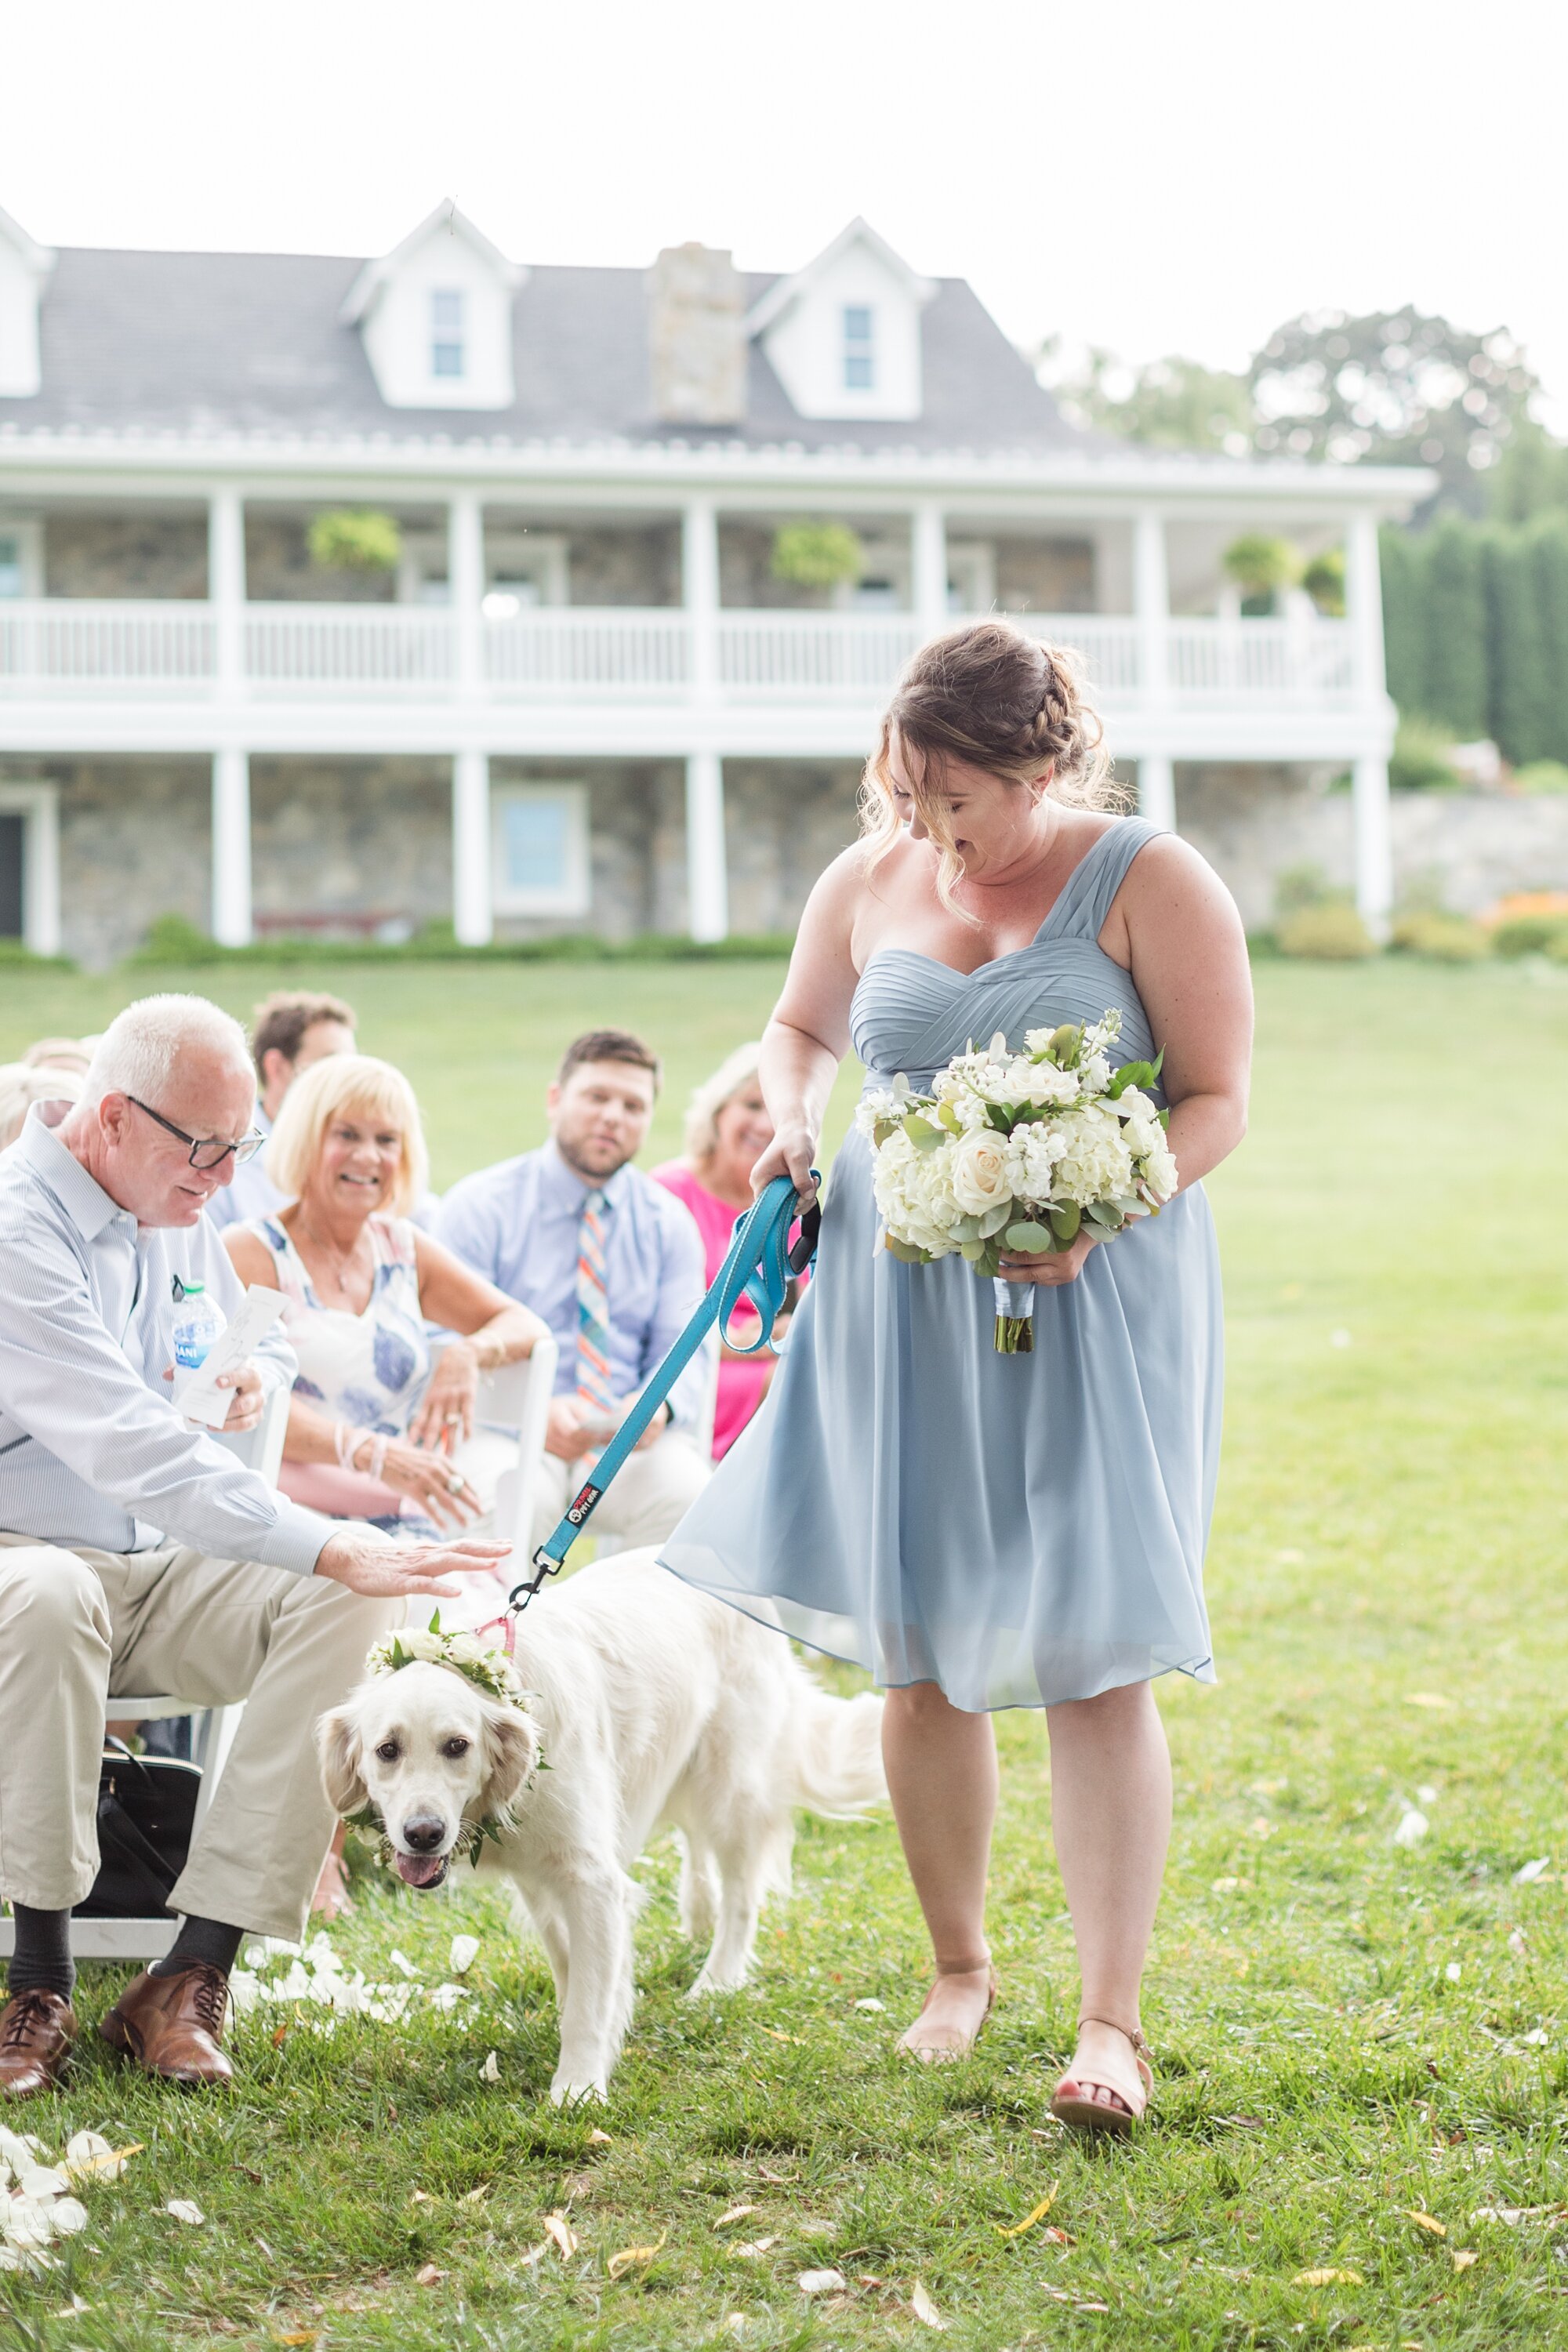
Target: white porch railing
76	644
569	649
795	656
323	649
571	653
1255	661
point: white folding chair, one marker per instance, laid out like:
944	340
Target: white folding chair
514	1402
211	1736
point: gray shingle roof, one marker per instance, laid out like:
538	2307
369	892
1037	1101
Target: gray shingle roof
210	343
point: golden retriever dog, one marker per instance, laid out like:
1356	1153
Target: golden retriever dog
652	1705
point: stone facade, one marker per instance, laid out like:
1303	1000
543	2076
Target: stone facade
132	551
623	564
785	821
1045	575
364	841
279	569
637	830
135	843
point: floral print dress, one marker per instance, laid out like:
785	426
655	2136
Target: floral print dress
369	1371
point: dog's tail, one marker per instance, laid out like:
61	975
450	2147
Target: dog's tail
839	1752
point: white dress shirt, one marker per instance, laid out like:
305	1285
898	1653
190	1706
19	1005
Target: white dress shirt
92	1451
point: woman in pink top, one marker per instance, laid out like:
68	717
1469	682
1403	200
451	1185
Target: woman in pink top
727	1131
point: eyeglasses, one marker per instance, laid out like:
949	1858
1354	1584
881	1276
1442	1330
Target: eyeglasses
206	1151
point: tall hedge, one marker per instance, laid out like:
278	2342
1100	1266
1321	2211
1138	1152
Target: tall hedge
1476	618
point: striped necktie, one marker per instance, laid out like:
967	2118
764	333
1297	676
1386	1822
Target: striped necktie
593	1383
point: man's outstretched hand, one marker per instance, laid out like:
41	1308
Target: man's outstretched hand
374	1565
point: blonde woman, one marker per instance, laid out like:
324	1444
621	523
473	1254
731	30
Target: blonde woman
374	1416
984	1530
727	1131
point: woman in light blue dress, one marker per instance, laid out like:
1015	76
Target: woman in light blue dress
983	1531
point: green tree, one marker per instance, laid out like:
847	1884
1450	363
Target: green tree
1531	478
1457	682
1168	404
1395	388
1527	580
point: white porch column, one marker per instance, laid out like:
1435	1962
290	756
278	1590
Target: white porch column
231	847
706	867
226	587
1151	604
929	552
471	914
1157	789
1373	843
1364	604
700	591
466	573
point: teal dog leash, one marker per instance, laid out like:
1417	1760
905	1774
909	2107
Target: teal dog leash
759	1265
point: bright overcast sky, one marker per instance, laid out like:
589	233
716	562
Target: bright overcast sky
1150	175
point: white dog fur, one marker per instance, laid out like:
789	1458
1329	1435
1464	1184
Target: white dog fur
654	1705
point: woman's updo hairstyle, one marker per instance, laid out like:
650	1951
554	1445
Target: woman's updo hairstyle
1002	701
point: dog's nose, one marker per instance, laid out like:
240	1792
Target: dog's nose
424	1833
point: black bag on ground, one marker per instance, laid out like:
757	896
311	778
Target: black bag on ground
147	1814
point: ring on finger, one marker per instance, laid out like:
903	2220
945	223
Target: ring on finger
451	1421
455	1483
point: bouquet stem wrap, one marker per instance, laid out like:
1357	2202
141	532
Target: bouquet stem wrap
1015	1318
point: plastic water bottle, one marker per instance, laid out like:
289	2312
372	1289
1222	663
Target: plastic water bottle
198	1320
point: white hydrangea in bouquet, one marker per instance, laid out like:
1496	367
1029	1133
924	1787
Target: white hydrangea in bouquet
1022	1150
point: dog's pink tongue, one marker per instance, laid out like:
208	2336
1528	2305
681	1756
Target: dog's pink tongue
420	1869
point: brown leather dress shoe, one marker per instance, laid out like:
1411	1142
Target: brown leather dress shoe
171	2025
37	2029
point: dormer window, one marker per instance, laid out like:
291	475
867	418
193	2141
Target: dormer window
446	330
860	348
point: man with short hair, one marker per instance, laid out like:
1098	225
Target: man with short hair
137	1555
289	1030
615	1265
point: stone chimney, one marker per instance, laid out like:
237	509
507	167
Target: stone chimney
697	337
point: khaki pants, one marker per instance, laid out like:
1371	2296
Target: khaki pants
650	1494
80	1628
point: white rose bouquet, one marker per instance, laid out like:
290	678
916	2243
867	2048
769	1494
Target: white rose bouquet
1021	1149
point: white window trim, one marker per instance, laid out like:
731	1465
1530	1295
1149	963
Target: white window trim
519	555
456	337
31	536
576	894
857	347
38	805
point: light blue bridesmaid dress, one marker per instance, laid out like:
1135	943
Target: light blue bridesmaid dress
1020	1529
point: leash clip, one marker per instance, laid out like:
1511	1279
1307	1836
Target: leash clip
520	1596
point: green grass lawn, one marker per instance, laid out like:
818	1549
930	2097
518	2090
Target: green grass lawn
1349	2031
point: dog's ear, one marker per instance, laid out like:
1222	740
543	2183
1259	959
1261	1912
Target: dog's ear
339	1747
511	1753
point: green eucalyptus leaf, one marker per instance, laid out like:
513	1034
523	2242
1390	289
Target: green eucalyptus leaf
994	1218
921	1133
973	1250
1029	1236
950	1118
1065	1218
906	1252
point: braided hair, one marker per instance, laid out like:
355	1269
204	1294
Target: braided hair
1000	700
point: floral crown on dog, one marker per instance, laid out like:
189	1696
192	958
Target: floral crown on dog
483	1664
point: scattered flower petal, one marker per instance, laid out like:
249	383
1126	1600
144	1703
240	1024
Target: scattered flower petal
597	2138
821	2282
631	2258
187	2210
1223	1885
403	1964
1426	1698
1413	1827
428	2275
1531	1871
465	1950
871	2002
1517	1944
753	2247
1327	2278
1462	2258
68	2215
1452	1972
1036	2213
735	2214
1434	2228
491	2071
561	2233
924	2309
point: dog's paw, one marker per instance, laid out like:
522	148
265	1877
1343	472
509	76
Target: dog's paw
709	1981
566	2091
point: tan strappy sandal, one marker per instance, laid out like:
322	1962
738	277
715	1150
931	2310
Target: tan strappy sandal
939	2054
1096	2114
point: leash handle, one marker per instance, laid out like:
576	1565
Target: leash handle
759	1265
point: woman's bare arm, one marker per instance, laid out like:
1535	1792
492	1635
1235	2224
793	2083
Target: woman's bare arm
1190	966
808	1035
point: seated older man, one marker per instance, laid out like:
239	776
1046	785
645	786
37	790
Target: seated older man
137	1554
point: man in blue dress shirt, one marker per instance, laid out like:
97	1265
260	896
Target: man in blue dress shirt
139	1555
615	1265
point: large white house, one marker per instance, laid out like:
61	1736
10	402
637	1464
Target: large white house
586	690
